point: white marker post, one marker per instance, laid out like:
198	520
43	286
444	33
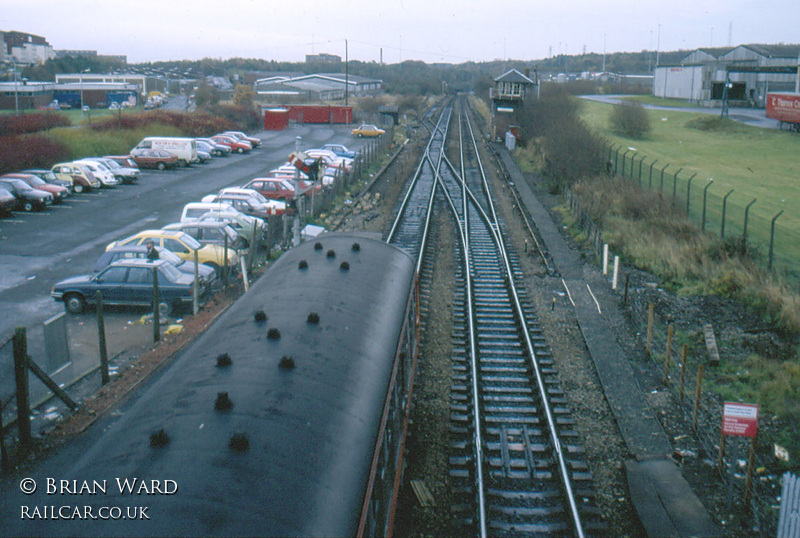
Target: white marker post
605	259
616	273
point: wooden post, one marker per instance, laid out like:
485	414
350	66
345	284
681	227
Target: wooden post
650	310
670	332
101	335
156	313
196	286
697	396
683	367
225	261
721	456
751	463
21	379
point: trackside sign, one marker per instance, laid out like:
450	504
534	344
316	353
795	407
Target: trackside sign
740	419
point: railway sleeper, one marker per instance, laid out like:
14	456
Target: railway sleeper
533	529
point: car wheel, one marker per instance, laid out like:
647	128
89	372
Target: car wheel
164	309
161	166
239	150
360	135
214	266
77	188
28	206
74	303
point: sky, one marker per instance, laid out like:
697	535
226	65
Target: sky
397	30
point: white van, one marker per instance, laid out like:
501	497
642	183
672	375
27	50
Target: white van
185	149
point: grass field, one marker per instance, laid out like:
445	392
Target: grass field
754	163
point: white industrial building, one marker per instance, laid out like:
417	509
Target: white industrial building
749	70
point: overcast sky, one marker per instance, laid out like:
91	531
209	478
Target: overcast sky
427	30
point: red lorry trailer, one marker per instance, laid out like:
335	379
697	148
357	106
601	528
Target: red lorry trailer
785	107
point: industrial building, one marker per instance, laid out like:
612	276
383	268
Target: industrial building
315	87
743	75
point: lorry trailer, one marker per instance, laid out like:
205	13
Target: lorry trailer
784	107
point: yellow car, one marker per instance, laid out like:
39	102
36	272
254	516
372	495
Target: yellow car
184	246
367	129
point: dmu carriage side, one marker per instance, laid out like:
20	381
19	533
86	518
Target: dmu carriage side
286	418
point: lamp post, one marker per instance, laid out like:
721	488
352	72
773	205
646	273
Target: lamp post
81	82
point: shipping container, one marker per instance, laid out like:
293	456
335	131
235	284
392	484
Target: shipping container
276	119
785	107
320	114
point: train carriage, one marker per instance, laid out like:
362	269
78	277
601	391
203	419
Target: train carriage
286	418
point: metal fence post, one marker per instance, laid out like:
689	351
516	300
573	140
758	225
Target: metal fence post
101	334
640	169
772	239
675	185
724	210
688	194
661	188
746	218
651	174
156	313
705	198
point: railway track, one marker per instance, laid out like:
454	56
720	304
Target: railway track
516	467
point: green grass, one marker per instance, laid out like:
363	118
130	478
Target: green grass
659	101
755	163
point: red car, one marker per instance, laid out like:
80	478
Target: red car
255	142
58	192
154	158
239	146
272	188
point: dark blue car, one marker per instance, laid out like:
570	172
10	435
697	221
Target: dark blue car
129	282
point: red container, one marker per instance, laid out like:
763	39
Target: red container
321	114
276	119
784	106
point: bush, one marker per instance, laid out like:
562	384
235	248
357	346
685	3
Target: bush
30	151
630	119
32	123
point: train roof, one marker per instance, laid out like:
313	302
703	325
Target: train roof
310	429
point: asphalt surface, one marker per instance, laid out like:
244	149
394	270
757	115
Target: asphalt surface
40	249
751	116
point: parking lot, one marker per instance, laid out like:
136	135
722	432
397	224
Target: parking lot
41	248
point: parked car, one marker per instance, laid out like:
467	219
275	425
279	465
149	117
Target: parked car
213	151
59	193
272	207
80	176
246	226
367	129
239	146
255	142
272	188
49	177
101	172
330	159
126	161
289	172
183	245
218	150
340	150
28	198
154	158
125	252
124	174
7	201
203	156
208	232
129	282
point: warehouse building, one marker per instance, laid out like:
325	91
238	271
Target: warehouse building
742	74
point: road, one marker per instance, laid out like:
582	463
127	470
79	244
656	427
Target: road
751	116
39	249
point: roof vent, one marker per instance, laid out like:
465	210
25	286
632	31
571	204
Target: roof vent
344	266
223	402
317	246
239	442
224	360
159	439
287	363
302	265
274	334
356	247
260	316
313	317
331	254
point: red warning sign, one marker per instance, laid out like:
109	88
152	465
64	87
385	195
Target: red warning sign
740	419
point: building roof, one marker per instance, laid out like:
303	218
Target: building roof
513	75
